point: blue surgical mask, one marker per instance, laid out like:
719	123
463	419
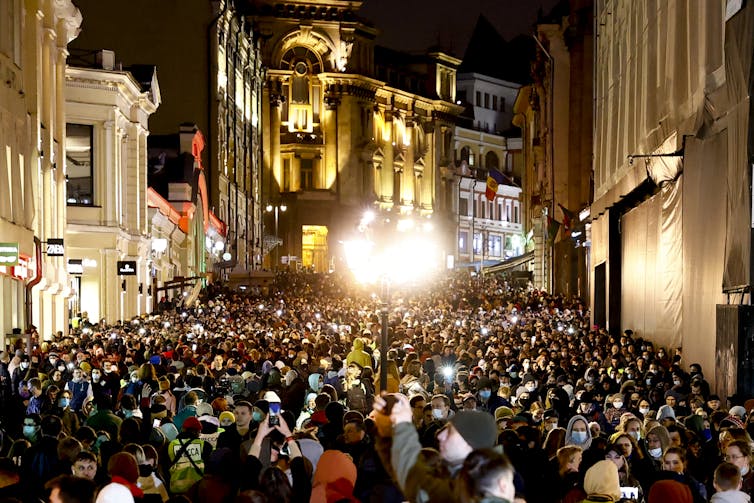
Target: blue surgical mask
257	417
29	431
64	402
579	436
485	394
707	434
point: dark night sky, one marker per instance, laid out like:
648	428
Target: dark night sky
415	25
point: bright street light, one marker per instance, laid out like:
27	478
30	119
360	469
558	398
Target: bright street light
391	255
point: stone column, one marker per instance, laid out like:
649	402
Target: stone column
276	100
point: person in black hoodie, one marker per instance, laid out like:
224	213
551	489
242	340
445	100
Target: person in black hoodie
40	462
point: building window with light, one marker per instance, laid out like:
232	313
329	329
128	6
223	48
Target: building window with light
495	246
79	164
303	91
463	240
478	243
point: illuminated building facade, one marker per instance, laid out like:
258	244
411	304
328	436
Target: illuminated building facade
107	233
671	219
488	231
554	115
347	127
34	38
207	58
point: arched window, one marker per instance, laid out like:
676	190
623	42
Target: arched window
491	161
303	91
468	156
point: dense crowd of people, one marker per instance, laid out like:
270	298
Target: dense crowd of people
493	393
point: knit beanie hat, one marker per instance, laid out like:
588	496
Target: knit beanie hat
477	428
664	491
602	479
227	418
123	464
503	412
192	423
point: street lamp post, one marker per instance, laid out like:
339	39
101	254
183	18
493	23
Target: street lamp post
384	336
277	209
404	253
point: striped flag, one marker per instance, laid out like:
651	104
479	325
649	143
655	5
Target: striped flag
494	178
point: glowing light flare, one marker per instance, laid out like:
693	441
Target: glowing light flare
407	257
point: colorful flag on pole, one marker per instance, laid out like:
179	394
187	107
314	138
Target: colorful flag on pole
494	178
552	228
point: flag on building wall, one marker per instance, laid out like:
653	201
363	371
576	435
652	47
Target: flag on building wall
494	178
552	228
569	219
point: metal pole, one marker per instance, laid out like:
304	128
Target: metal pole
384	336
277	238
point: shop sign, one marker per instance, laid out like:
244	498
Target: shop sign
21	271
127	268
8	254
75	266
18	271
55	247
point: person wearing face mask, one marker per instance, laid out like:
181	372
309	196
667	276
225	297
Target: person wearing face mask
577	432
487	397
528	385
51	363
616	410
441	412
61	408
657	442
111	378
80	389
97	383
23	372
30	428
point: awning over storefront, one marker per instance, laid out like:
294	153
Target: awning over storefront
511	263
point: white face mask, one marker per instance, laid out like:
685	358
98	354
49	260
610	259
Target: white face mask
438	413
635	434
618	405
744	470
655	453
644	411
530	388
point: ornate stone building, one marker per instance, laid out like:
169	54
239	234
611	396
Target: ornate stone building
107	114
34	38
348	127
554	114
207	59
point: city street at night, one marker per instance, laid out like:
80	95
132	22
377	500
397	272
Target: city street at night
376	251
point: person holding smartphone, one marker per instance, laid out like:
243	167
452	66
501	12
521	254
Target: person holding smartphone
275	447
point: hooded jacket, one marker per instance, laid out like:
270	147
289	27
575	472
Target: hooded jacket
358	355
334	478
314	383
569	431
